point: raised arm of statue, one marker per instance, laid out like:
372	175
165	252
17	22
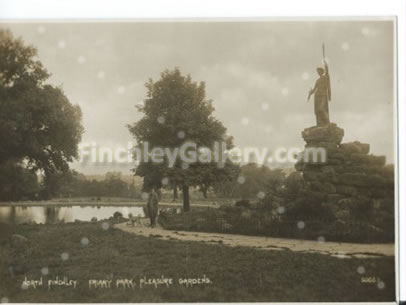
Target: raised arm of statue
328	80
326	67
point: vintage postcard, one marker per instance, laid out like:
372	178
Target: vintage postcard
198	161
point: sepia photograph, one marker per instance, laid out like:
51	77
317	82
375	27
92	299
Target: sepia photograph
198	160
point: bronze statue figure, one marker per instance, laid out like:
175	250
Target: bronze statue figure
322	94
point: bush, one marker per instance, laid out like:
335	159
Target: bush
294	183
242	203
261	222
117	214
305	209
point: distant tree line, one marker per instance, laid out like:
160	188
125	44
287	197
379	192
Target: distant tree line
22	184
252	181
75	184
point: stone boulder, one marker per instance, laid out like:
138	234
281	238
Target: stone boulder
350	180
355	147
329	133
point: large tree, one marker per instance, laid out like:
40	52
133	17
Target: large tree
39	128
176	111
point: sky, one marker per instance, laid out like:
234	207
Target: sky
257	74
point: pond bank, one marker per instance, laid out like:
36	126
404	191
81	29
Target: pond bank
99	203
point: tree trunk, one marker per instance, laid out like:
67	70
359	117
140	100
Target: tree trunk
175	193
186	200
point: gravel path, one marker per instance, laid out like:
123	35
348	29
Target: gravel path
340	250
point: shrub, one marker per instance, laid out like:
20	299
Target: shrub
117	214
305	209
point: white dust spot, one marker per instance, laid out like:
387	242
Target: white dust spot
245	121
44	270
261	195
105	226
84	241
101	74
321	239
241	180
361	269
300	225
121	90
41	29
181	134
345	46
165	181
281	210
161	119
81	59
381	284
305	76
144	195
64	256
61	44
285	91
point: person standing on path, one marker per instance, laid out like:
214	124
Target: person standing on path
152	207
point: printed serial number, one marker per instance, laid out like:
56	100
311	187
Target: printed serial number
369	279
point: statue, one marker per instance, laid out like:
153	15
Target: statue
322	94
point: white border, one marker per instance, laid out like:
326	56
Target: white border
187	9
129	9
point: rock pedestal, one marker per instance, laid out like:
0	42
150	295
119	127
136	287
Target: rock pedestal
349	178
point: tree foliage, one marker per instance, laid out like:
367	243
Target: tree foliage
177	111
39	127
17	182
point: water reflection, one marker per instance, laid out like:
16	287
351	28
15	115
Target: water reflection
53	214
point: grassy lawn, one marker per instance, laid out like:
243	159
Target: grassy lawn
236	274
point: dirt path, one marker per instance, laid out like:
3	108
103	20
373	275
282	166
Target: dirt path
340	250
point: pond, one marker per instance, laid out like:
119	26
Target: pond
55	214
